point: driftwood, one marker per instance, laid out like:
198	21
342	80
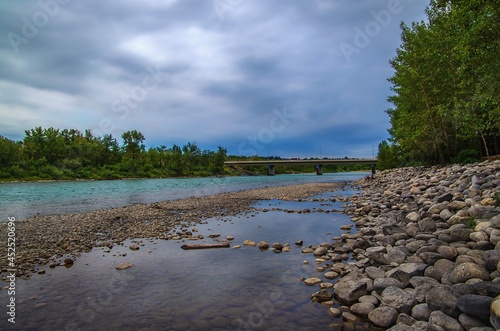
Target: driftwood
205	246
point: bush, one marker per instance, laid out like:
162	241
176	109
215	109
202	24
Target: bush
467	156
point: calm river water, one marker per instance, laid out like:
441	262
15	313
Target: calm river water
172	289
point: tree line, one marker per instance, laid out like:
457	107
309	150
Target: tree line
49	153
66	154
446	87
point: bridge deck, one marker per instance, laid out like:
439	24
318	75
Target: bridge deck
303	162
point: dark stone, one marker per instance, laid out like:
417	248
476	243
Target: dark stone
475	305
391	229
445	197
429	257
362	244
491	289
441	298
460	289
460	234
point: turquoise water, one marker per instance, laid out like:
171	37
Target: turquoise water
23	200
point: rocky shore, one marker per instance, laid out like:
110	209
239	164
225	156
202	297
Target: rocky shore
426	251
59	239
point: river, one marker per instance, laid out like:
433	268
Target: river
26	199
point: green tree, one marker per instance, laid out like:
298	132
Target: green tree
133	147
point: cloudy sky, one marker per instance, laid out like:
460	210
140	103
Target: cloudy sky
276	77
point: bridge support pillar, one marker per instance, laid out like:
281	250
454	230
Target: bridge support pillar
270	170
319	169
373	169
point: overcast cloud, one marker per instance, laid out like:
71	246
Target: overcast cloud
275	77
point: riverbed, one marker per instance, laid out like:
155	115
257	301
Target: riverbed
217	289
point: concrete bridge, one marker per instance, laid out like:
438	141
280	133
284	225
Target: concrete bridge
318	164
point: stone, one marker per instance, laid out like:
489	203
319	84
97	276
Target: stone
421	312
349	317
312	281
430	257
413	217
134	247
125	265
469	322
263	245
397	298
249	243
465	271
380	284
362	308
475	305
322	295
446	322
439	269
331	275
401	327
491	289
335	312
460	234
441	298
495	236
437	208
479	236
400	275
448	252
445	197
427	225
445	214
413	268
383	316
320	251
277	246
395	255
68	262
369	298
350	290
495	313
374	272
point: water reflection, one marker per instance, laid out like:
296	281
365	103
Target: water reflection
173	289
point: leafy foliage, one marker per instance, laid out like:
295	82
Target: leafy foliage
65	154
446	88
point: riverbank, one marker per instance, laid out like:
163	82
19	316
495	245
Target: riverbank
426	250
55	240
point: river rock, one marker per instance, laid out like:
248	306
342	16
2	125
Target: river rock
491	289
413	217
475	305
383	316
320	251
380	284
469	322
263	245
362	308
125	265
312	281
374	272
441	298
397	298
446	322
350	290
466	271
421	312
448	252
495	313
322	295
